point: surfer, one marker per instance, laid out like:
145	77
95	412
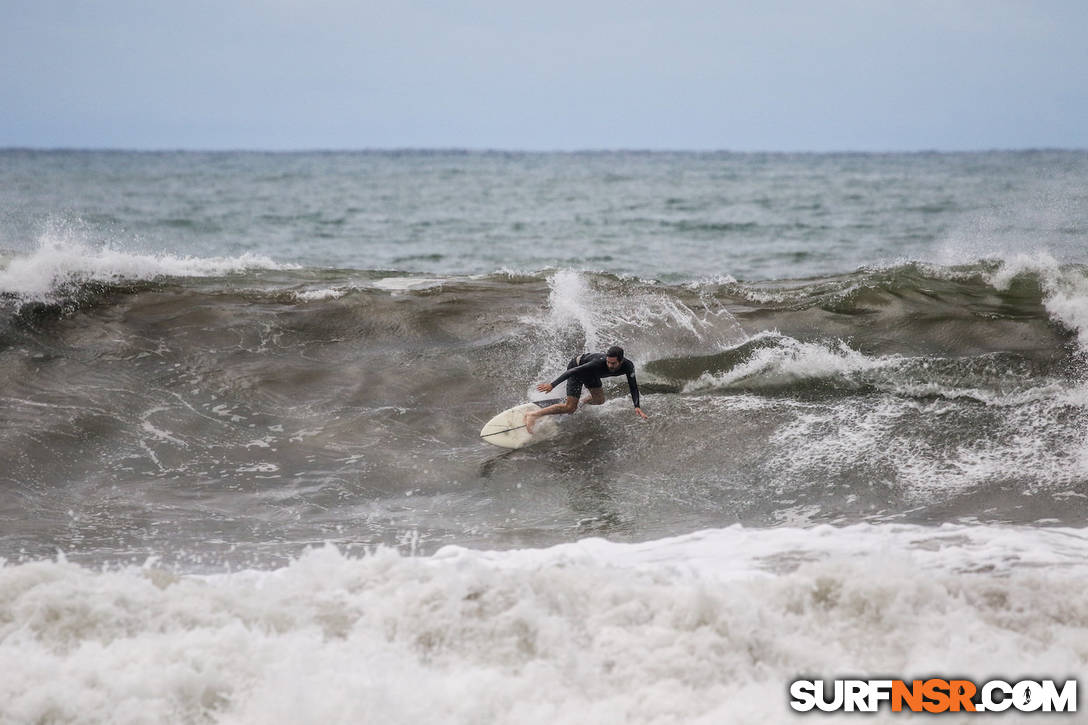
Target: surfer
587	369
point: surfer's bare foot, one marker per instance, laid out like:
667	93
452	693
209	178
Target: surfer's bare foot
530	419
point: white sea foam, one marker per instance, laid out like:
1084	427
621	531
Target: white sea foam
789	361
572	301
707	627
403	284
1039	443
60	261
320	294
1065	289
648	324
1035	426
717	280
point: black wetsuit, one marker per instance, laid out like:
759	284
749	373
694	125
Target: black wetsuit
588	369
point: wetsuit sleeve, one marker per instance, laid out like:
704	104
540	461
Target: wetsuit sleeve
571	371
633	386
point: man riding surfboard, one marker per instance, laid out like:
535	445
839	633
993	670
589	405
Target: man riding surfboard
587	369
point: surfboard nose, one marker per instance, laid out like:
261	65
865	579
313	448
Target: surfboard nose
507	429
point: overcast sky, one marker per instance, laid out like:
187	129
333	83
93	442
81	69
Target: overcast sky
697	74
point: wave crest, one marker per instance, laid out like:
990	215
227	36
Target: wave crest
60	266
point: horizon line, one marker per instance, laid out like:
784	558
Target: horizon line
530	151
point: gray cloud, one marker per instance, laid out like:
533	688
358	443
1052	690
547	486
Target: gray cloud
838	74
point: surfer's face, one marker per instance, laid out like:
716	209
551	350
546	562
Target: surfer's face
613	363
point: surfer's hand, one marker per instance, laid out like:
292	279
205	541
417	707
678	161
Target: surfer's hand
644	416
544	387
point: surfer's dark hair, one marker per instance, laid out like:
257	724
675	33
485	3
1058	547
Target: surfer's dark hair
615	351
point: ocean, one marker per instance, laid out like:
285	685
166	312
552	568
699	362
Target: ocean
240	396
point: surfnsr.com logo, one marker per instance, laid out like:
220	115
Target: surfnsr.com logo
934	695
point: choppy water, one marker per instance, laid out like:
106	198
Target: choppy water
865	376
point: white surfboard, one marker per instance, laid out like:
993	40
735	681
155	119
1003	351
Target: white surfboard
507	429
